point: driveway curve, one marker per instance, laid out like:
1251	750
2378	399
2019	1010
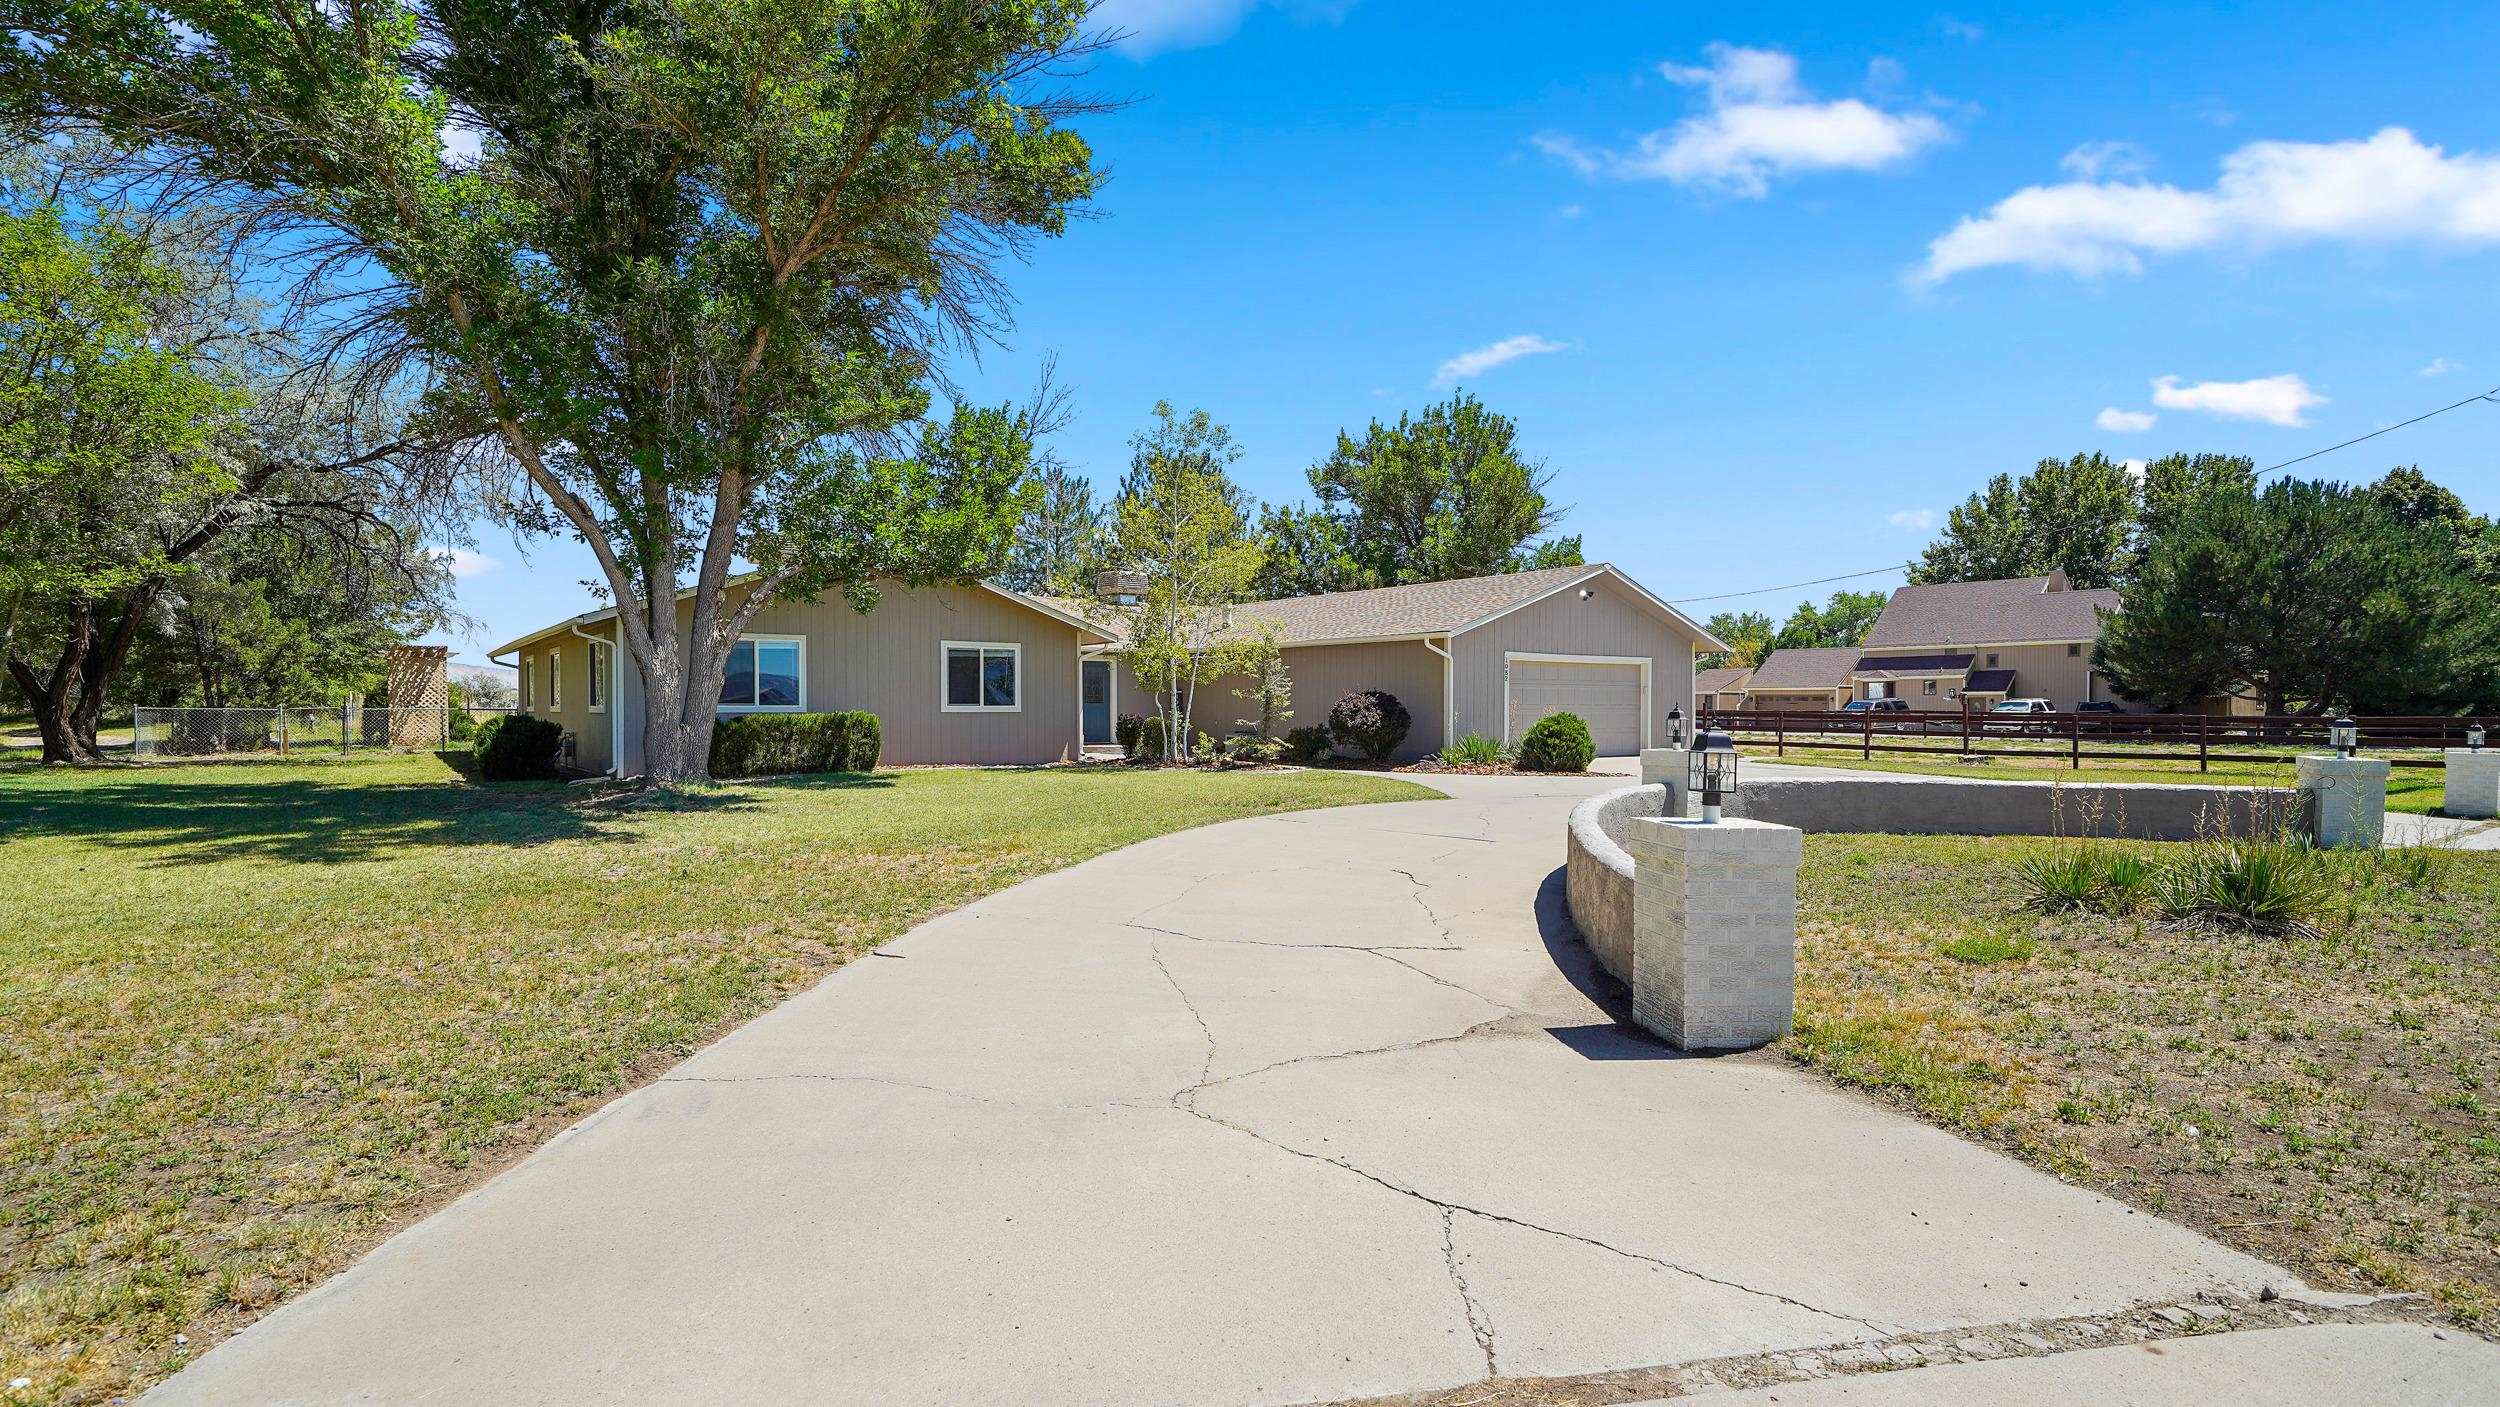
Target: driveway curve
1295	1109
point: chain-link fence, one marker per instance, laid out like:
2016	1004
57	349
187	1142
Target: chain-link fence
285	732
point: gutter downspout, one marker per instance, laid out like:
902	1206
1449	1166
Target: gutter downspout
616	704
1449	689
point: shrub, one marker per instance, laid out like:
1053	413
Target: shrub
2265	885
1147	744
1308	744
2060	881
1473	750
1559	742
1371	722
520	747
463	725
1125	731
763	744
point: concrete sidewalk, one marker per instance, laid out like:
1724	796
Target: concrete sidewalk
1296	1109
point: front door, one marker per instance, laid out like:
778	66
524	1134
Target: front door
1097	676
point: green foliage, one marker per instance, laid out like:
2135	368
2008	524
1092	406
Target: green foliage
1843	620
1439	495
2076	515
2263	884
705	252
1310	744
1988	949
1259	659
2309	593
1126	731
519	747
764	744
1474	750
1559	742
1059	538
1748	634
1307	553
1371	722
2062	880
1147	745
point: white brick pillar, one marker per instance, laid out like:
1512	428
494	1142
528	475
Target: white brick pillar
1672	767
2473	783
1714	930
2346	798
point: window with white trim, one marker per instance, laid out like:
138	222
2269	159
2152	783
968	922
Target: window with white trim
976	676
555	680
598	692
766	674
1928	687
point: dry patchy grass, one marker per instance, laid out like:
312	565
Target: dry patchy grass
2323	1099
2415	789
252	1016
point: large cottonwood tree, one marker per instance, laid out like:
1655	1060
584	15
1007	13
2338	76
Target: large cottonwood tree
687	262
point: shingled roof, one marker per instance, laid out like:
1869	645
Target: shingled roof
1426	608
1991	613
1803	669
1720	681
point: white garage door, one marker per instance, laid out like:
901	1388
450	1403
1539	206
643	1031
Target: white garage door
1606	696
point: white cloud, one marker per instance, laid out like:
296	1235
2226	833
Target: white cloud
1571	212
2388	189
462	144
1491	355
1918	519
2134	467
2276	400
2124	422
461	562
1759	123
1963	30
2439	366
1150	27
2116	160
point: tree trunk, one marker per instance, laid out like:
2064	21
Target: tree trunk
55	700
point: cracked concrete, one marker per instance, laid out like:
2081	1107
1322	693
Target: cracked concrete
1296	1109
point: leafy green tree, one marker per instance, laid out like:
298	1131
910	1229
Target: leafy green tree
1551	552
2306	594
692	283
1843	620
1748	635
1181	522
2077	515
2415	501
1439	495
1307	553
1058	536
2174	481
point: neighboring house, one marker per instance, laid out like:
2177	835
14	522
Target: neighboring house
982	674
1721	689
1488	655
1800	681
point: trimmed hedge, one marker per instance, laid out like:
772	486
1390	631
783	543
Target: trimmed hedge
1371	722
1146	743
762	744
1308	745
518	747
1560	742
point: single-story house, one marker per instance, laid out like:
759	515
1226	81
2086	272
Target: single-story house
982	674
1953	645
1721	689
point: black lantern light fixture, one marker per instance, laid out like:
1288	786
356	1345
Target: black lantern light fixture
2474	737
2343	734
1675	725
1714	770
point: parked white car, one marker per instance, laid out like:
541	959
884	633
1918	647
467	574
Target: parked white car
2022	706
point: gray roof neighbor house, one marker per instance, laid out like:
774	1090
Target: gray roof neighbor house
2012	611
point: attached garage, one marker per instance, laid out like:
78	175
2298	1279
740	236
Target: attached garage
1610	692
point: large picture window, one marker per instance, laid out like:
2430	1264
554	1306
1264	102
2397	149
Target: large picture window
979	677
766	672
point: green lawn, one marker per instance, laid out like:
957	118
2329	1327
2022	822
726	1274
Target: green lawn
2327	1099
2415	789
258	1013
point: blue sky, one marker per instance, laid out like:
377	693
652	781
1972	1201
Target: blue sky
1768	288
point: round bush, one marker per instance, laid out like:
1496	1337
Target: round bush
1308	744
1560	742
1371	722
518	748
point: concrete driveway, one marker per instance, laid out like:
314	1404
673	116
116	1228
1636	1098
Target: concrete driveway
1290	1110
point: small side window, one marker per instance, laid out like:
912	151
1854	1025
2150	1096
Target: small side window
2074	652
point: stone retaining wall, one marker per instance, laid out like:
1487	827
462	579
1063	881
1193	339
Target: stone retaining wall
1952	806
1597	873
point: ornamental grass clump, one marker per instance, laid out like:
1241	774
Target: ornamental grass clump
1474	750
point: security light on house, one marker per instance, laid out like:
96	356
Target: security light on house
1714	770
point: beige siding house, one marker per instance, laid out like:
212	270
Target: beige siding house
979	674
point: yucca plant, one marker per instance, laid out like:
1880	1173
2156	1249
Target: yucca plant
2060	880
2123	882
1473	750
2268	886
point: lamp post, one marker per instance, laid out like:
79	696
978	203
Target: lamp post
1714	770
2343	735
2473	737
1675	725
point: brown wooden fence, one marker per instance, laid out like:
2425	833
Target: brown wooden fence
2405	741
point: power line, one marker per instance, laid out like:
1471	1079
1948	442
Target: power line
2492	395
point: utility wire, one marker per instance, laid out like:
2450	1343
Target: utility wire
2492	395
